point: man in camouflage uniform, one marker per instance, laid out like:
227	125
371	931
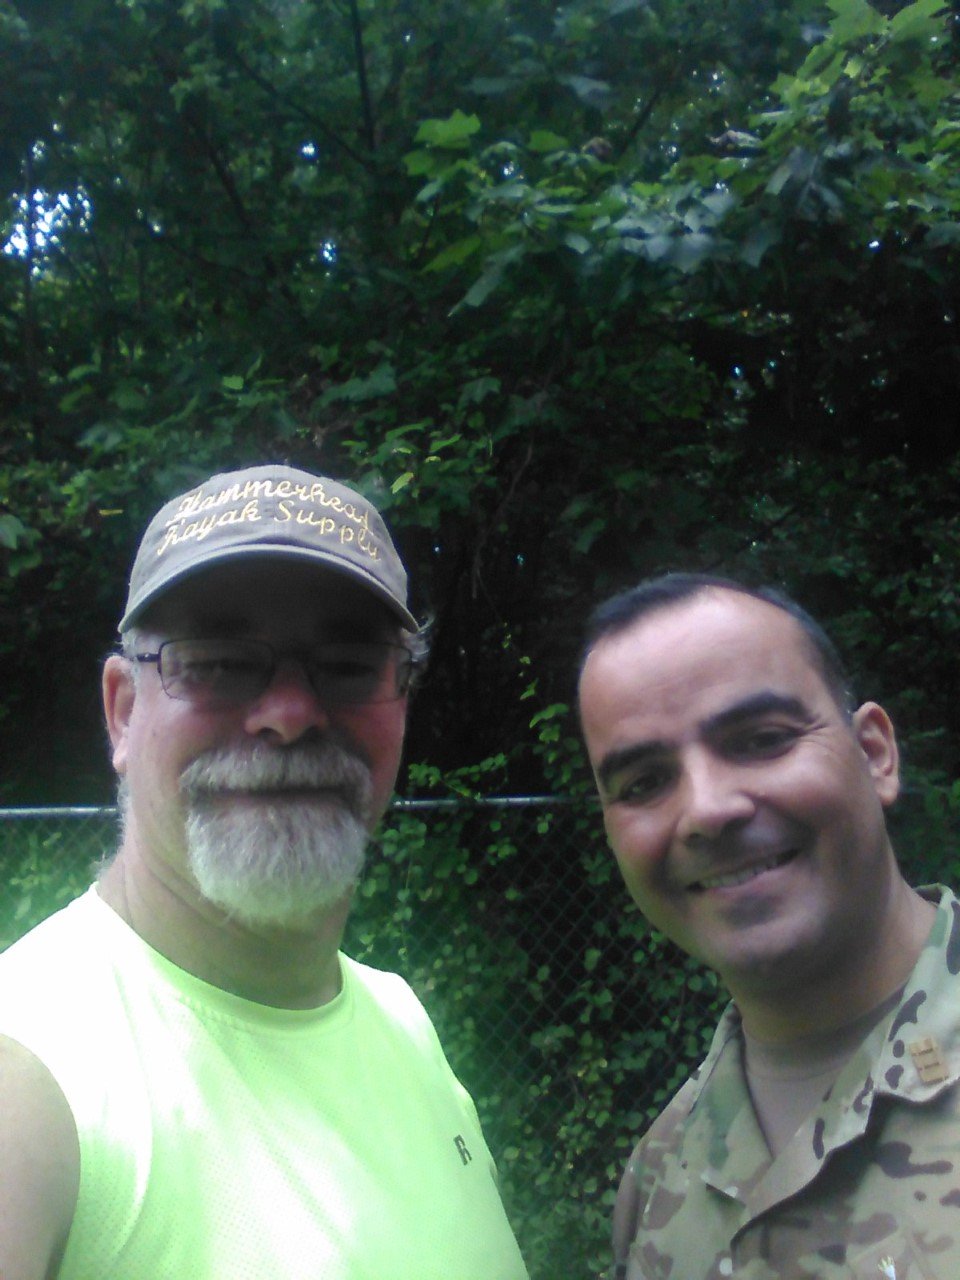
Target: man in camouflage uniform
744	798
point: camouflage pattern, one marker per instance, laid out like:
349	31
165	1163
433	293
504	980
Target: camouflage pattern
869	1186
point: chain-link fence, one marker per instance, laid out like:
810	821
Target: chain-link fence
566	1020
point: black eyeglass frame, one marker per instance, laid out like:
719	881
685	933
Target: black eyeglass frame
306	656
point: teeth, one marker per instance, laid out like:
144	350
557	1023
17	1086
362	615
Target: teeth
748	873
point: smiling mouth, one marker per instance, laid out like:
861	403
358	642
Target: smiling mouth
733	878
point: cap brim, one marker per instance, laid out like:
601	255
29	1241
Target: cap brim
275	551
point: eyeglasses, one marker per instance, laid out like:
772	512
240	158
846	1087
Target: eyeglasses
216	674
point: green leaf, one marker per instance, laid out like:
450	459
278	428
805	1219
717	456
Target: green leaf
595	93
854	19
552	712
576	242
82	371
285	424
477	390
758	241
798	167
542	140
70	401
655	247
917	21
944	233
650	224
381	382
233	382
453	133
430	191
421	163
781	176
12	531
129	398
589	534
104	436
822	68
481	289
689	251
454	254
719	202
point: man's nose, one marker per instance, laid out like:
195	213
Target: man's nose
289	708
714	795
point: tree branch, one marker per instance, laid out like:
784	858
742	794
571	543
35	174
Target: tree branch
365	104
646	113
225	177
314	121
31	381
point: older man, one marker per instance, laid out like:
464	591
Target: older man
195	1083
744	798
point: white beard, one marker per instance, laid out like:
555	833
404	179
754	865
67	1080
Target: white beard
276	862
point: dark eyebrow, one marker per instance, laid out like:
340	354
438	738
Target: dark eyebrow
615	761
767	702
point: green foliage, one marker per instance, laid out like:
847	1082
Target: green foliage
576	294
41	873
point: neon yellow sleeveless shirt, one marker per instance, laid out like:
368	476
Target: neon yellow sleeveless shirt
225	1140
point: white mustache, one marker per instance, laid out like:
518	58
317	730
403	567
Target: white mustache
321	767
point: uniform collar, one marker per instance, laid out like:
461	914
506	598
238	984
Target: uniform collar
913	1054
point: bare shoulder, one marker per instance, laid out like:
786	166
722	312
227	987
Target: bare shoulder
39	1166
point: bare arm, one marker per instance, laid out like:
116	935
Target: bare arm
39	1167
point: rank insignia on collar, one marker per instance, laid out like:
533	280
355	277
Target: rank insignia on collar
929	1060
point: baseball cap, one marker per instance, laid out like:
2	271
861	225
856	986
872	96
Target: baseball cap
268	510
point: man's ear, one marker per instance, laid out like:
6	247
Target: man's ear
874	732
119	695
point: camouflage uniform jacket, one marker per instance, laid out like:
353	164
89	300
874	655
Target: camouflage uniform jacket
869	1186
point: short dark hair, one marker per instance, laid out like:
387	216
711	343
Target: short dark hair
622	610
